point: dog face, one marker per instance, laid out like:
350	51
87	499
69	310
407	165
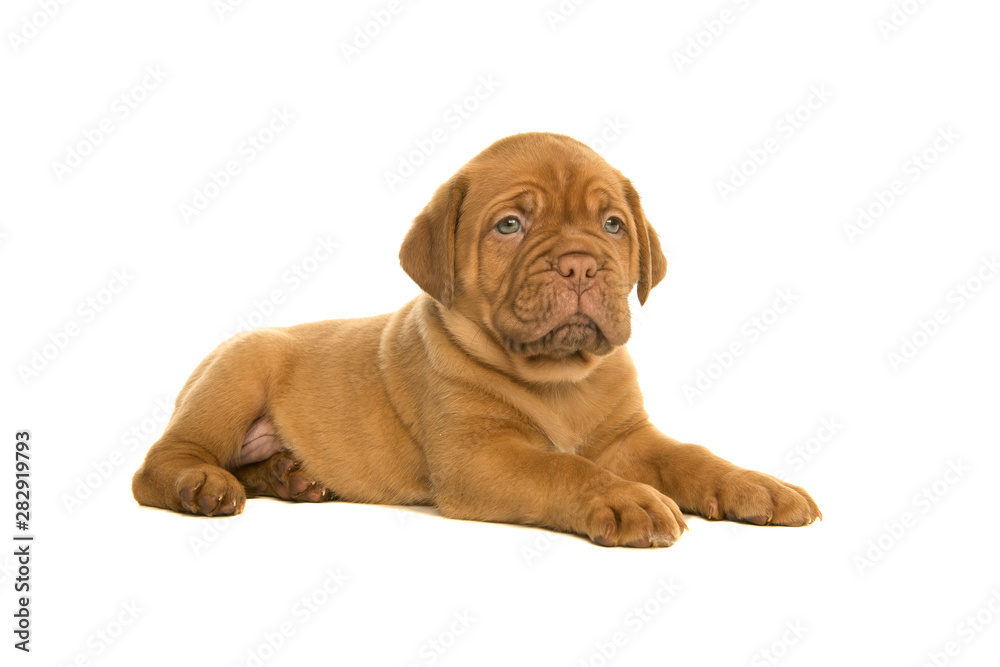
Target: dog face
539	242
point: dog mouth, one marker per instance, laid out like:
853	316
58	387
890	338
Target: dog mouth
573	334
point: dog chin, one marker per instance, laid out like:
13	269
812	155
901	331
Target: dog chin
577	333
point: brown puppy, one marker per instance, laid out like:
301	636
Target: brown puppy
504	393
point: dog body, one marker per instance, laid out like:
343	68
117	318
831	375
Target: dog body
503	393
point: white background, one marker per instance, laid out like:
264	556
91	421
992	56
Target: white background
889	577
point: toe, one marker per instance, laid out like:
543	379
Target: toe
207	503
297	484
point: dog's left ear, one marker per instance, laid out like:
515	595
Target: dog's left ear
428	251
652	262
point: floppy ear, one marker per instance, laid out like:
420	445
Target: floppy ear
652	263
428	251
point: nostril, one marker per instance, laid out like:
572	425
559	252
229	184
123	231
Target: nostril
576	265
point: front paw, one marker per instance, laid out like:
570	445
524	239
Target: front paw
758	498
634	515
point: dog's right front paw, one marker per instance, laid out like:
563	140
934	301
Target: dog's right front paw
634	515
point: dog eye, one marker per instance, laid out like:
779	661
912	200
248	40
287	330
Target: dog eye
509	225
612	225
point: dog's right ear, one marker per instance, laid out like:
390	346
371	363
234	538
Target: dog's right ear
428	251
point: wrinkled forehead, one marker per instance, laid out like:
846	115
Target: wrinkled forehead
550	177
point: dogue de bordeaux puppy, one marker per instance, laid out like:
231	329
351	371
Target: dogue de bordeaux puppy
502	393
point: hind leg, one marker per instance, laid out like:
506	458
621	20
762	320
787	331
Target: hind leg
213	428
281	476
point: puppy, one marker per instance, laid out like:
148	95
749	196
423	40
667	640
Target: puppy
502	393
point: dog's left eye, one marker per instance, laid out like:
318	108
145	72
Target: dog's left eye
612	225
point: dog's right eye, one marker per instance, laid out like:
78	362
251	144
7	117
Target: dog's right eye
509	225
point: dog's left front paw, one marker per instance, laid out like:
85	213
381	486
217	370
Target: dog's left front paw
760	499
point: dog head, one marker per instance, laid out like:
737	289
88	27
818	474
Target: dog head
538	241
